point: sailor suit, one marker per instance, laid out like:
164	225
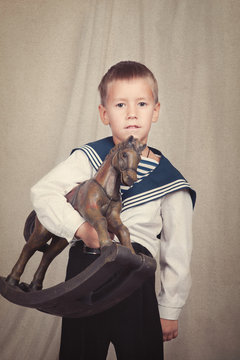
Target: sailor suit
158	205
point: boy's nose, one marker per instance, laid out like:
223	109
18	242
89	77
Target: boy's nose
132	114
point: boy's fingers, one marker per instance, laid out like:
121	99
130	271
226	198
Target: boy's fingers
170	329
170	336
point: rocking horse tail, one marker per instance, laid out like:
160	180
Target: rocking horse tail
29	227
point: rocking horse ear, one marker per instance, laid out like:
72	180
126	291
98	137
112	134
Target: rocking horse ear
141	148
130	140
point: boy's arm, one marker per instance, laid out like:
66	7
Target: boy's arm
88	234
48	195
175	257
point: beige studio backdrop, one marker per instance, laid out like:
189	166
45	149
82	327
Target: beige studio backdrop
52	56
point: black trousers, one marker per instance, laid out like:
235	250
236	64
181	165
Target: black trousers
133	326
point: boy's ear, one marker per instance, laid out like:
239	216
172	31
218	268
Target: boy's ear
103	114
156	112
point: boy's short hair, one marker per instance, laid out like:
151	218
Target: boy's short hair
125	70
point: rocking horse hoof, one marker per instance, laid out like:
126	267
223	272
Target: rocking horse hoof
11	281
106	243
24	287
35	287
112	277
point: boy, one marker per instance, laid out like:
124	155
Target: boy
161	201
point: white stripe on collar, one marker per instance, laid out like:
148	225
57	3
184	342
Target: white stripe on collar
154	193
93	156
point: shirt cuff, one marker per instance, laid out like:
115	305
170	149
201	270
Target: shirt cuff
169	313
73	222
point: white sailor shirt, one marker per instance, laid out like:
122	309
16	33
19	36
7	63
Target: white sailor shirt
170	215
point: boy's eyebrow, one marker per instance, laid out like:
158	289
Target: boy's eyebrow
125	99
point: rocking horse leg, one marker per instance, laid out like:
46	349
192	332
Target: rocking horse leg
55	248
101	226
116	226
39	237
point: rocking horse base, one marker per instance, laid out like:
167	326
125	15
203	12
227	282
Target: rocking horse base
112	277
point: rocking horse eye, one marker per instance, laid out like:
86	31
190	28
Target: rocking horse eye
124	155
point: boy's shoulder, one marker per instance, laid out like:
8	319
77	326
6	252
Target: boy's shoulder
97	150
163	180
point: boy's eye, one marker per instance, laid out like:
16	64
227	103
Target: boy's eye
142	103
120	105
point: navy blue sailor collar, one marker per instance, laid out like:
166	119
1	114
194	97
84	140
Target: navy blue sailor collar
164	179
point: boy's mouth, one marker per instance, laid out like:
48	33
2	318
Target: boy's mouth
132	127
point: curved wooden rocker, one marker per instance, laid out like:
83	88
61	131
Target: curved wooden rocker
113	276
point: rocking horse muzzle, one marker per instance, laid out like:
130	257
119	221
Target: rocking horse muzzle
128	177
126	166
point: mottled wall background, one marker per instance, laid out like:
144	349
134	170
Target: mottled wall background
52	56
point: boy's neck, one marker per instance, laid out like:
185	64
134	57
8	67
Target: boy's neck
147	153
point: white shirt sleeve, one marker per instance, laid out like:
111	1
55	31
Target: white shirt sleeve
175	253
48	195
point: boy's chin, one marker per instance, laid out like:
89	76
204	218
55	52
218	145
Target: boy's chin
124	137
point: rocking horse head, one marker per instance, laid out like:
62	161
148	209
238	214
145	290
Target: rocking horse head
126	158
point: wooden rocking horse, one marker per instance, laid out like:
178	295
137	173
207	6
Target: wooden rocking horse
98	200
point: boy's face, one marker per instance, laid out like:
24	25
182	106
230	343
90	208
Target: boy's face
130	109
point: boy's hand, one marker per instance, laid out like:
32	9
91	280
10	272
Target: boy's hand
169	329
89	235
